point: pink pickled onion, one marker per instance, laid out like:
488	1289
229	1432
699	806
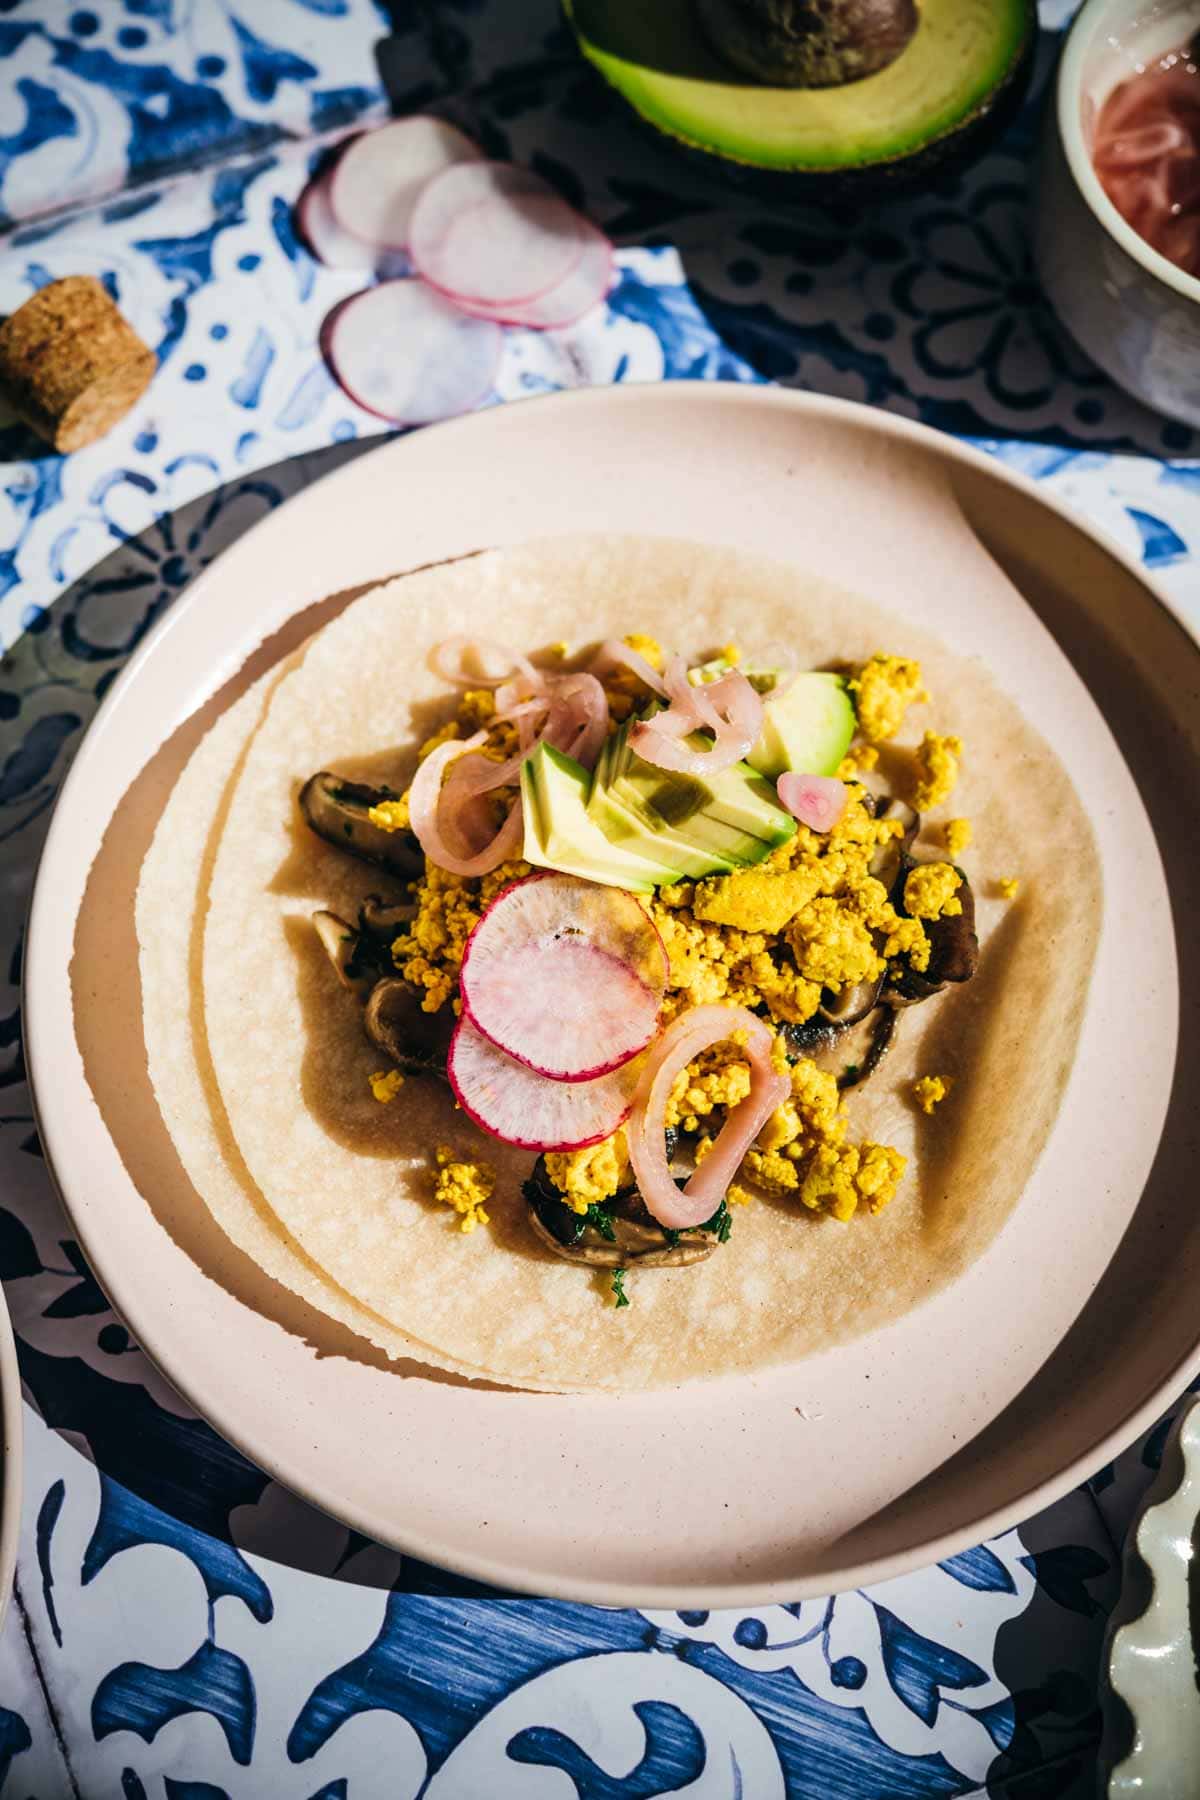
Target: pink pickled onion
729	708
520	691
448	819
683	1041
578	721
481	648
425	807
781	657
613	654
818	801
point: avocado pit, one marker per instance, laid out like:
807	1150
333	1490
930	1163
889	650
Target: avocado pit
808	43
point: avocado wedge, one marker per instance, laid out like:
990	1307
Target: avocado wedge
956	83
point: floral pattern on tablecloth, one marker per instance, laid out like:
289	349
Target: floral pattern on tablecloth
104	97
184	1627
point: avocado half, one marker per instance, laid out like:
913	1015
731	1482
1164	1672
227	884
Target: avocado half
953	87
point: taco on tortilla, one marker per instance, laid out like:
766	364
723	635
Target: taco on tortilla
591	982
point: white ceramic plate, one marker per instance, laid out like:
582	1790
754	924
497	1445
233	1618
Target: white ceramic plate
1060	1344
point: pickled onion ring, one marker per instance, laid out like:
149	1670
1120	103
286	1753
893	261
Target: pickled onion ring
481	648
613	654
425	815
445	814
729	708
679	1045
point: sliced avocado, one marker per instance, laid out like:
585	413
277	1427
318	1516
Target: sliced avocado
808	727
560	835
733	816
625	819
961	77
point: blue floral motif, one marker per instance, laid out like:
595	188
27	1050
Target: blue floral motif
136	1697
918	1668
131	92
980	1569
1064	1572
14	1737
1161	543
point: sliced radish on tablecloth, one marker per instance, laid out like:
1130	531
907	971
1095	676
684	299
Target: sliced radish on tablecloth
336	248
489	234
565	977
404	352
512	1102
379	177
576	294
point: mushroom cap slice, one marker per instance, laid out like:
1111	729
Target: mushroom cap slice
851	1049
395	1022
637	1240
339	812
385	919
339	941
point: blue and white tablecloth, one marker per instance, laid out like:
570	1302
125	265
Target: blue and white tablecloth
184	1628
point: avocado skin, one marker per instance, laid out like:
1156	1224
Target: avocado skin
863	183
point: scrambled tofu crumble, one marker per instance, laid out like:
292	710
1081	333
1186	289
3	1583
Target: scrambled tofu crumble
390	815
930	891
590	1176
957	835
386	1084
430	952
930	1090
810	919
466	1186
859	760
937	762
884	689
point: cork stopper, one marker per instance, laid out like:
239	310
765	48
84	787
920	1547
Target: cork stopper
70	364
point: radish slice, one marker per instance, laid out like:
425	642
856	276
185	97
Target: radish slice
564	976
336	248
679	1045
379	177
512	1102
491	234
576	294
404	353
818	801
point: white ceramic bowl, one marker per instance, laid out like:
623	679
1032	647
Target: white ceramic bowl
1134	312
1153	1752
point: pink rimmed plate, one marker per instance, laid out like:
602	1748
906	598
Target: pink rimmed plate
1056	1348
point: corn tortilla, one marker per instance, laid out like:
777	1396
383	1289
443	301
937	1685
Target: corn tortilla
172	901
349	1180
